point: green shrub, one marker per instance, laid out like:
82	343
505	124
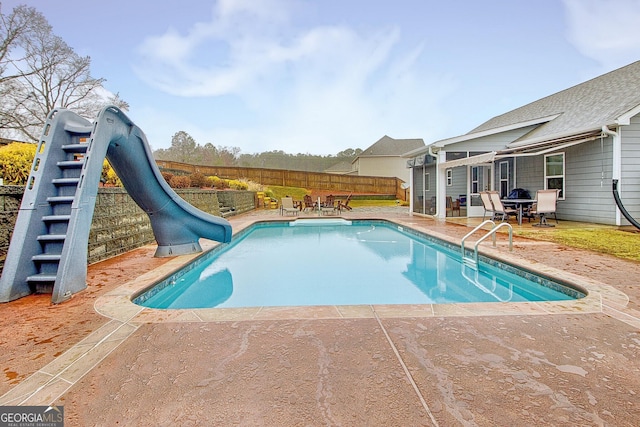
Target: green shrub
16	160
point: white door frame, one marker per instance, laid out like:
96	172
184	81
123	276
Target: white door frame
474	204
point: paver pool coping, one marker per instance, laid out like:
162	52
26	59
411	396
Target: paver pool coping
118	304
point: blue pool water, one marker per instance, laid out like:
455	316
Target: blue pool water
342	263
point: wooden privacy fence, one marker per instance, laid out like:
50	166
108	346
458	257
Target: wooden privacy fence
288	178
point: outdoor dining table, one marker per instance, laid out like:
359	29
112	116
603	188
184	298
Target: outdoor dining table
519	204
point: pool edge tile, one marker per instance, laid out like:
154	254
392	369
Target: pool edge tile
118	303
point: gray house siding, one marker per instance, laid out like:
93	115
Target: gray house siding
587	176
530	175
630	173
458	185
588	195
421	196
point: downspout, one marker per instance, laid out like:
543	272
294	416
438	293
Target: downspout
617	152
616	167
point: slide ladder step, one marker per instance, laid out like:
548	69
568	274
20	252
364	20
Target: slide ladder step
51	237
75	148
60	199
46	257
59	182
43	283
70	164
42	278
56	218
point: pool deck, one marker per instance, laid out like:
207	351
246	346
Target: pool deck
111	362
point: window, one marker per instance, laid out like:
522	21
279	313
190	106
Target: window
427	183
554	173
474	180
504	179
449	177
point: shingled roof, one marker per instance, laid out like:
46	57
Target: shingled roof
387	146
340	167
586	106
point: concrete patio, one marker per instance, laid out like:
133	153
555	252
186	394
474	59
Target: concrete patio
110	362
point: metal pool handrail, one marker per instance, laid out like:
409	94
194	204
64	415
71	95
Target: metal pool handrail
473	231
491	232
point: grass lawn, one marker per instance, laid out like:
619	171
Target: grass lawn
613	241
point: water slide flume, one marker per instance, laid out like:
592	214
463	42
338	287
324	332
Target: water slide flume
48	250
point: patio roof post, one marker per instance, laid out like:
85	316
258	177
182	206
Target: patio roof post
441	186
411	185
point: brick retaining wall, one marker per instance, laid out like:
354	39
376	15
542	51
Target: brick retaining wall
119	225
10	198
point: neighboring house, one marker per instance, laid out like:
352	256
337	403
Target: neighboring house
385	157
341	168
578	141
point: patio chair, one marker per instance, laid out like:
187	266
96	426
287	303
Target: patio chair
486	203
546	201
431	205
308	203
328	206
500	210
453	205
329	201
286	206
345	204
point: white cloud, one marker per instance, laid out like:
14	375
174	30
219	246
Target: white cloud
317	89
605	30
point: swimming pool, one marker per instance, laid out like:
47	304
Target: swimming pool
338	262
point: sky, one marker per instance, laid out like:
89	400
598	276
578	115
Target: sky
322	76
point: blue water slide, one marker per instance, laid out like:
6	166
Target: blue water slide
48	249
176	224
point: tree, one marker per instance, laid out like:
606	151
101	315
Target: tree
183	147
14	31
118	102
40	72
228	155
350	153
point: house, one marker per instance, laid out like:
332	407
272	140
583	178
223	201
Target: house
385	157
340	168
579	141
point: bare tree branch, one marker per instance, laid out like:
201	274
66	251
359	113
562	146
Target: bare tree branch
40	72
